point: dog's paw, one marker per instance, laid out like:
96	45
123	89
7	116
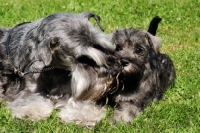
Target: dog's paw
83	113
33	107
125	113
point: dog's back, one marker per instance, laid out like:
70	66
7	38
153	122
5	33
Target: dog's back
166	73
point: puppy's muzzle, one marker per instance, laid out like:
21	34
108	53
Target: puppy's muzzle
124	62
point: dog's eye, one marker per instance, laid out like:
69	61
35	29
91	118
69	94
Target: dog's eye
138	50
118	48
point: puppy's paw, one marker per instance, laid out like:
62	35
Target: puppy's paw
125	113
83	113
33	107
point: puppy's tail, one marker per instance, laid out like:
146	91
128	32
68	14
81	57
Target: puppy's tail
154	25
89	15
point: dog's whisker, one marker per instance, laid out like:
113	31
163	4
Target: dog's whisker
122	85
117	86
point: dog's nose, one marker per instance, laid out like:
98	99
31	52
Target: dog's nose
124	62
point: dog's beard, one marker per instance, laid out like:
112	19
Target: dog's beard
91	82
132	68
85	51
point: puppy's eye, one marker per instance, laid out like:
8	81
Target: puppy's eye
138	50
118	48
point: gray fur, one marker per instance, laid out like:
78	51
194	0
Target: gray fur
81	55
146	72
86	69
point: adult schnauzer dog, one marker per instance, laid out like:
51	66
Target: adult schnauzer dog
146	74
61	61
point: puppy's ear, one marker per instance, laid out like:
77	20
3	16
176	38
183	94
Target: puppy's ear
54	43
156	42
89	15
154	25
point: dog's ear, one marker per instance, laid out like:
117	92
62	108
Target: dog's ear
89	15
156	42
54	43
152	32
46	48
154	25
44	51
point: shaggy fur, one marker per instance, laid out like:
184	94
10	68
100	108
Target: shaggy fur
75	58
80	67
146	72
74	112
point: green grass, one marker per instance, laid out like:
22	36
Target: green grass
179	111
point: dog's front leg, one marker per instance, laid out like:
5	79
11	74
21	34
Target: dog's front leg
126	111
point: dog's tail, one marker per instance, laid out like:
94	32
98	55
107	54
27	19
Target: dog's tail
154	25
89	15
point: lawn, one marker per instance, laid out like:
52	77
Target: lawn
179	111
